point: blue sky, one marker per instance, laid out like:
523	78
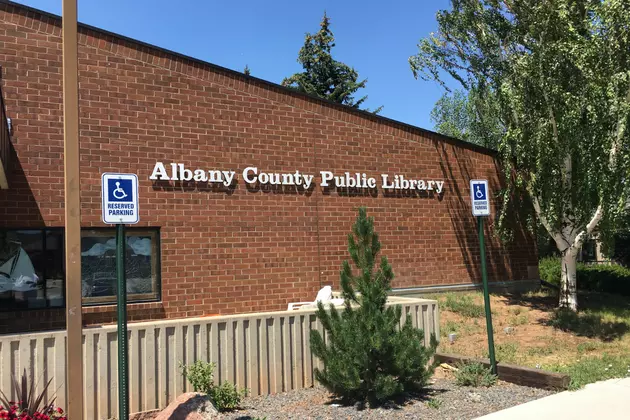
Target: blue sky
375	37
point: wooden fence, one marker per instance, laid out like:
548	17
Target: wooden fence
263	352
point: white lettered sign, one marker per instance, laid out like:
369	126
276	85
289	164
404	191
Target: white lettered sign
120	198
479	197
327	179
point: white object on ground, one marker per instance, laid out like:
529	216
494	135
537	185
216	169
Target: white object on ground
325	296
446	366
601	400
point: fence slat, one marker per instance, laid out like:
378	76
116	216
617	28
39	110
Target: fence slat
163	393
149	391
253	379
89	375
179	358
104	376
264	356
240	356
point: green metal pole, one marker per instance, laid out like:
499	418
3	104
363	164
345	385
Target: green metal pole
123	387
486	297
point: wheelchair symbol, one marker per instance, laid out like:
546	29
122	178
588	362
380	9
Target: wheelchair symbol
119	193
478	193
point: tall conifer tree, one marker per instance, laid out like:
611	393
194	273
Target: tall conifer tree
324	76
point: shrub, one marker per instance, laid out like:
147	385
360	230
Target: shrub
464	305
611	278
367	356
30	404
550	270
226	397
474	374
200	374
13	412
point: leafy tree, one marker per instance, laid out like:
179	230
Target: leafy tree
469	117
323	76
560	71
366	356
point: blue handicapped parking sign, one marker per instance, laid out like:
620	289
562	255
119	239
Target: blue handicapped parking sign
119	196
479	197
480	191
120	190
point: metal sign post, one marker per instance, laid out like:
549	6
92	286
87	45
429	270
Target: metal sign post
120	206
481	209
121	301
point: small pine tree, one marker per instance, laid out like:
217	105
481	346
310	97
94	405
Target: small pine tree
367	357
247	71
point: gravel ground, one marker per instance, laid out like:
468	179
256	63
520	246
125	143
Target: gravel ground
457	403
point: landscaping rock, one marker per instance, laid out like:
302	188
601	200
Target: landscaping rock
455	402
189	406
474	397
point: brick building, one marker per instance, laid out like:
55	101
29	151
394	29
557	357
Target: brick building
211	246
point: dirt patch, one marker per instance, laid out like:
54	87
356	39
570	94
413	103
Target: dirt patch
525	332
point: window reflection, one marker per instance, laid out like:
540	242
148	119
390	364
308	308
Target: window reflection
23	262
32	267
98	265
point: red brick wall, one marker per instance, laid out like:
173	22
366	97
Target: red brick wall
239	251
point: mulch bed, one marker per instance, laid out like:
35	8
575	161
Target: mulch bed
456	403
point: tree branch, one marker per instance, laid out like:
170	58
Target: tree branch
621	129
581	237
561	241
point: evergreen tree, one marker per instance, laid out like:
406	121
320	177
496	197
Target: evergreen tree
247	71
367	357
323	76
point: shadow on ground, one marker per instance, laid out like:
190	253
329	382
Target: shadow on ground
595	318
397	403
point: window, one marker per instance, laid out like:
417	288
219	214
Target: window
98	265
31	269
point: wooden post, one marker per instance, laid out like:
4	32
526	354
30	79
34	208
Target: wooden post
74	327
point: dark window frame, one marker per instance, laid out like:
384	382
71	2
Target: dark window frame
156	265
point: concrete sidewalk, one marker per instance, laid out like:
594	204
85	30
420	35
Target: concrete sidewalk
602	400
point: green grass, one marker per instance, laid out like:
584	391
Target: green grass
592	369
606	321
506	352
463	305
547	350
590	345
434	403
517	320
450	327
